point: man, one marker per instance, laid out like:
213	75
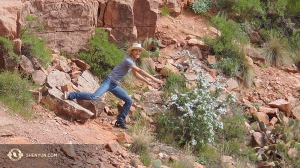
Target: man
111	81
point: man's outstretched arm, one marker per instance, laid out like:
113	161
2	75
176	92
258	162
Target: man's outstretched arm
142	75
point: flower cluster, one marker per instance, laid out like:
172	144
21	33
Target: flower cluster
195	113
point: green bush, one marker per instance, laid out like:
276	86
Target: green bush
165	10
231	40
32	46
191	117
247	10
293	7
102	56
201	6
14	93
33	25
229	66
6	46
175	82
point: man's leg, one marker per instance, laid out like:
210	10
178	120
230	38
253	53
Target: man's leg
104	87
123	95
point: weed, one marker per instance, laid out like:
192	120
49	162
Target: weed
255	105
175	83
14	93
6	46
276	51
165	11
32	46
142	140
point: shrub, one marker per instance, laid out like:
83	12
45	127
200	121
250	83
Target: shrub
165	10
191	117
14	93
6	46
141	143
201	6
229	66
209	156
247	10
276	51
102	56
33	25
175	82
232	38
32	46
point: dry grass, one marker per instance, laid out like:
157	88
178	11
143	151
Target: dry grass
276	51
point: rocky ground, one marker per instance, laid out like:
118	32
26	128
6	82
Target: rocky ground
96	134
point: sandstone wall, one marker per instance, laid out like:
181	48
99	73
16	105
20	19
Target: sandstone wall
69	24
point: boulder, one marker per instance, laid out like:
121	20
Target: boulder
282	105
65	108
10	18
95	106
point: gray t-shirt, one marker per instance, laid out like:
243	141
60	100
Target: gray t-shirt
121	70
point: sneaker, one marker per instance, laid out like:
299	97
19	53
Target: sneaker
121	125
66	95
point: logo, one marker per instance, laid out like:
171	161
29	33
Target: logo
15	154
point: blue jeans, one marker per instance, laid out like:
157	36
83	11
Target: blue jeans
107	85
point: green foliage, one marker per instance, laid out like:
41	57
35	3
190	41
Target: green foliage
157	163
6	46
293	7
277	51
32	46
233	129
165	10
201	6
228	47
191	118
247	10
279	141
294	40
152	47
33	25
231	147
175	82
231	40
31	18
102	56
209	156
146	158
229	66
278	7
248	152
141	143
14	93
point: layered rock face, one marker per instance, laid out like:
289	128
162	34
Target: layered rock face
69	24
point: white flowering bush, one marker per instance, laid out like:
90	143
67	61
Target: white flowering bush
201	6
191	117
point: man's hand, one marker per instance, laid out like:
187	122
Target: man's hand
158	81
